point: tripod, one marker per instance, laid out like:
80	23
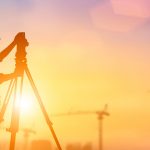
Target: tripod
21	69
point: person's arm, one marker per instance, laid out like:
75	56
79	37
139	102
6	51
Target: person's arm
7	50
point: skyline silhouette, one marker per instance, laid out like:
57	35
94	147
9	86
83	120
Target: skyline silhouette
82	55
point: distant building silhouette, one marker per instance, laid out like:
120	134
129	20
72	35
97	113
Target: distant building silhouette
78	146
40	145
4	145
87	146
74	146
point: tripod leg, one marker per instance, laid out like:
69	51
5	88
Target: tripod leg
42	107
12	127
15	115
6	100
12	141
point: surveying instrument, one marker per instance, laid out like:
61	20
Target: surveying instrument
21	69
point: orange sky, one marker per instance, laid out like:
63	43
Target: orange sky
82	55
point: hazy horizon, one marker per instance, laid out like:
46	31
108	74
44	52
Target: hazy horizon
82	55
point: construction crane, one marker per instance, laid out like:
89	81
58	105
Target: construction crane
100	117
26	135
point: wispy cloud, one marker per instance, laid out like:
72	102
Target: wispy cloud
104	17
138	8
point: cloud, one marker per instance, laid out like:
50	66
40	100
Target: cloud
104	17
134	8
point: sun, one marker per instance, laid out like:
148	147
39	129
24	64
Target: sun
26	104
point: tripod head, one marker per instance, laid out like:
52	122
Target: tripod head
21	42
20	59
